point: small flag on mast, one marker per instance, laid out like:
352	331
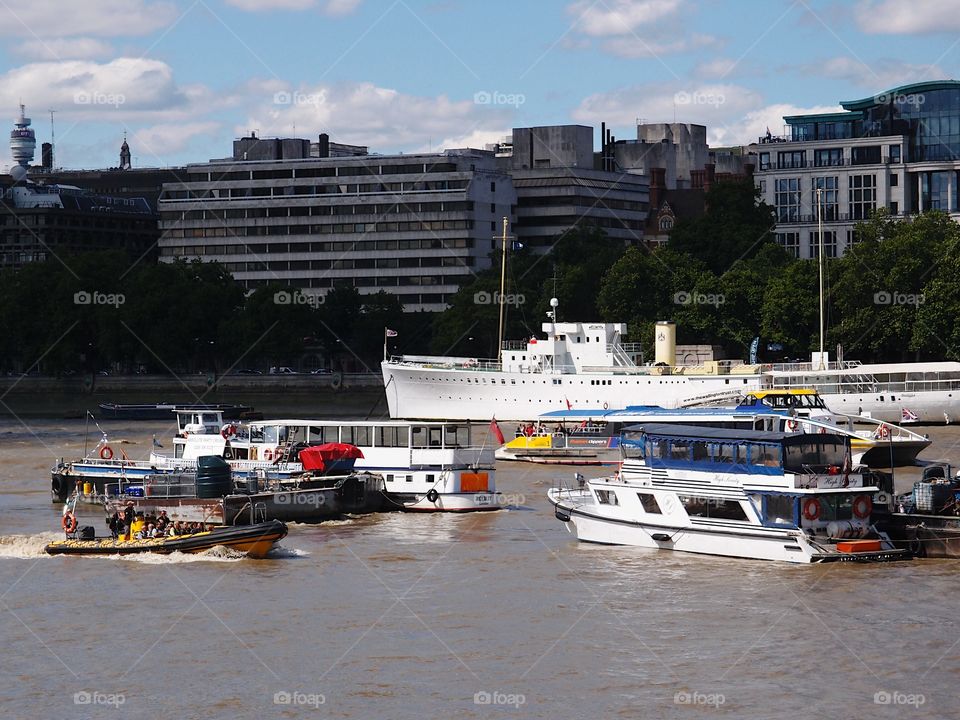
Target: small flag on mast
391	333
907	416
569	406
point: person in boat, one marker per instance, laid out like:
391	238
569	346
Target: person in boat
138	525
115	523
528	430
128	518
163	521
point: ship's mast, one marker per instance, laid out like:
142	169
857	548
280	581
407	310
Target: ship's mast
503	280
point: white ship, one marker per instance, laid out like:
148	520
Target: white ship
587	366
581	365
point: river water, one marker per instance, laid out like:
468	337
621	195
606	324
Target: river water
491	615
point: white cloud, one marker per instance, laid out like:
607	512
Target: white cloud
154	144
642	47
713	105
366	114
63	49
895	17
878	75
619	17
717	68
103	18
83	89
754	124
335	8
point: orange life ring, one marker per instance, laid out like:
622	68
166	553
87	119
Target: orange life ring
883	433
862	507
811	509
106	453
792	425
69	522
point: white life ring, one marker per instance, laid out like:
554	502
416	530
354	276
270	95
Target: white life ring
228	431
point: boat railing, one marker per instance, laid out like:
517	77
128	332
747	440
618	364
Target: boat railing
809	366
873	385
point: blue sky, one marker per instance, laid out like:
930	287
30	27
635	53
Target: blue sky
184	77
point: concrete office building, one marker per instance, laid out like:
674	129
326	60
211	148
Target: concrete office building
560	187
417	225
898	150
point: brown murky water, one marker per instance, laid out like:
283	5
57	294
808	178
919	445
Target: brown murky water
475	616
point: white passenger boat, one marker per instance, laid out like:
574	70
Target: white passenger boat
583	437
426	466
736	493
588	366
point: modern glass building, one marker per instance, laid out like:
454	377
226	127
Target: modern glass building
898	150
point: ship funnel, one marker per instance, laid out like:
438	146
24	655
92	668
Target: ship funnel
665	344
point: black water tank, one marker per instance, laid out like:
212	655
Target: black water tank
213	477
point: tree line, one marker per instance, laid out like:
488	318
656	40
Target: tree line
722	278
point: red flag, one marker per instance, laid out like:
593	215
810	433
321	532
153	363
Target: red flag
569	406
495	429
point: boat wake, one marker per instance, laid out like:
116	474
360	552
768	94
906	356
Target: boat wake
25	547
279	552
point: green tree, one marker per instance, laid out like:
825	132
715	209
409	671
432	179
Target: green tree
735	226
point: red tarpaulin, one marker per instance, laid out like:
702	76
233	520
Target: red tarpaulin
319	457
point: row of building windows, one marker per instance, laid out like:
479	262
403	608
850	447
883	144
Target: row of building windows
338	264
223	215
329	229
321	171
790	241
319	247
861	198
222	193
607	203
831	157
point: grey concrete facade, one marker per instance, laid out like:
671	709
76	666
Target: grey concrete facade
418	226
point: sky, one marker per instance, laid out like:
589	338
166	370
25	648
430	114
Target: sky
183	78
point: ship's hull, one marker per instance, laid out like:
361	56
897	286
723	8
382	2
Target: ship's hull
447	393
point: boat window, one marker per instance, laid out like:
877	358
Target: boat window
256	433
701	451
650	504
420	437
766	455
680	449
297	434
711	507
779	509
391	436
836	507
607	497
657	449
316	434
632	448
270	434
456	436
727	453
813	451
355	435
